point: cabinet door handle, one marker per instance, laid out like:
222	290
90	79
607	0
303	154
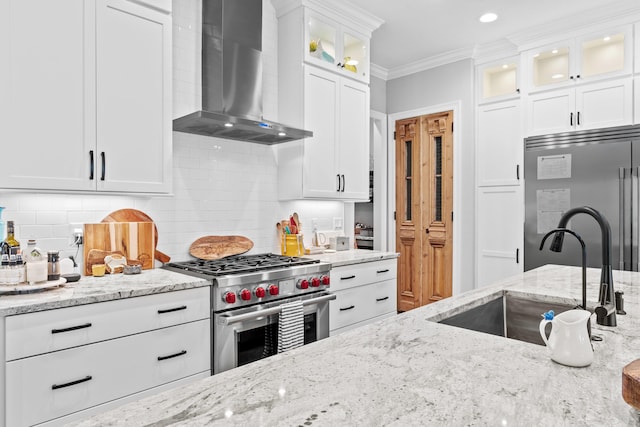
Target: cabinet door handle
91	166
72	328
104	161
517	255
171	356
381	299
351	307
348	277
386	270
578	119
169	310
343	182
338	176
82	380
571	119
518	172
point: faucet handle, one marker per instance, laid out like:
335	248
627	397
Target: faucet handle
619	302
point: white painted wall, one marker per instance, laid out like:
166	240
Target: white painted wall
221	187
450	84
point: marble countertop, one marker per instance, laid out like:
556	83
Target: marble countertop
353	256
409	370
91	289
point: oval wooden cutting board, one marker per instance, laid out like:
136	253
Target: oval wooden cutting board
216	247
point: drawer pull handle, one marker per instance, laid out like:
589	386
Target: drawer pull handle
348	308
72	328
348	277
381	299
82	380
170	310
171	356
386	270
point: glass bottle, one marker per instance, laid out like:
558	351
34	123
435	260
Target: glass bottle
36	264
10	240
4	269
22	270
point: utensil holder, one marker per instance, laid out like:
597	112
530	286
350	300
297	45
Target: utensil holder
292	245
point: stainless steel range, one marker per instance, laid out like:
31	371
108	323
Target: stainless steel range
248	294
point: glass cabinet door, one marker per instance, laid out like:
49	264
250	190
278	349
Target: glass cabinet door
499	80
322	40
602	55
355	57
551	66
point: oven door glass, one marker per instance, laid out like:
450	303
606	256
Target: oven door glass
261	342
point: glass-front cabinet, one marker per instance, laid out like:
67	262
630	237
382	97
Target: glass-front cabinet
499	80
335	47
597	56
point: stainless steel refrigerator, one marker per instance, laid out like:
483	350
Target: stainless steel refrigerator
597	168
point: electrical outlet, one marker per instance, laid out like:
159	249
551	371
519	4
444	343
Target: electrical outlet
337	223
78	236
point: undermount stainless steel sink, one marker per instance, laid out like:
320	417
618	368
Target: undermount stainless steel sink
507	316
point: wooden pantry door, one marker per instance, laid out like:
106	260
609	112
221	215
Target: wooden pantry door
424	208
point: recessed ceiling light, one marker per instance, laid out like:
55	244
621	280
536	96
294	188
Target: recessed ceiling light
488	17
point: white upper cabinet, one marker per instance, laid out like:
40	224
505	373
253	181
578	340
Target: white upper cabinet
330	34
85	96
336	47
603	104
568	62
498	81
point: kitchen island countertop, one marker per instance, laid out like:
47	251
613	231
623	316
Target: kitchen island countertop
409	370
91	289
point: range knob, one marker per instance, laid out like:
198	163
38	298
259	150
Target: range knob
229	297
315	282
245	294
273	290
260	292
325	280
303	284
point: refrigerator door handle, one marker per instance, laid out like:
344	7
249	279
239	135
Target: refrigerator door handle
621	213
635	236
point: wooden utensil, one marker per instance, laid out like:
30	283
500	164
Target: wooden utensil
134	215
133	240
216	247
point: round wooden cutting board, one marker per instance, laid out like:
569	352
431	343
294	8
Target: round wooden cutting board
216	247
134	215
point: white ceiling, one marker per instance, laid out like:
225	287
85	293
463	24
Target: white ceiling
415	30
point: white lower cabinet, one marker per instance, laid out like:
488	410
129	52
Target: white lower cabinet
364	293
158	342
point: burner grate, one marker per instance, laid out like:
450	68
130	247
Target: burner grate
240	264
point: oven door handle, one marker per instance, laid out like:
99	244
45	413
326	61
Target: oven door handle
229	319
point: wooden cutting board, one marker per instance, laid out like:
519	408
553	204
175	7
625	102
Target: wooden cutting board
134	215
134	240
216	247
631	383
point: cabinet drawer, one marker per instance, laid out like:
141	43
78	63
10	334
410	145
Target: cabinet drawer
359	274
41	332
48	386
362	303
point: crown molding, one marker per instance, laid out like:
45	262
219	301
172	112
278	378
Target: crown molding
431	62
376	70
342	12
494	51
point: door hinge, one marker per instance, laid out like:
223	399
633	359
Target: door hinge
451	126
394	135
394	215
451	216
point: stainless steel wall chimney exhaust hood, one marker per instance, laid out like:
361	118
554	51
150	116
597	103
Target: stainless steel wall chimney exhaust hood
232	77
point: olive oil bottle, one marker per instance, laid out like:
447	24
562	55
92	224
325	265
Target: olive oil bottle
14	245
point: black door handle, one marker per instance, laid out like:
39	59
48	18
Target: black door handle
82	380
348	308
91	165
171	356
102	155
338	176
386	270
169	310
381	299
72	328
348	277
517	255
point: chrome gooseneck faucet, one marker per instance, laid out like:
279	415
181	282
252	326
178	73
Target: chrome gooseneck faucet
606	311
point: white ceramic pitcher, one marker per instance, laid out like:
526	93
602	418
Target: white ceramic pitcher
569	342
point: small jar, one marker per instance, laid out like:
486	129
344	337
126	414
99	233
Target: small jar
53	265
